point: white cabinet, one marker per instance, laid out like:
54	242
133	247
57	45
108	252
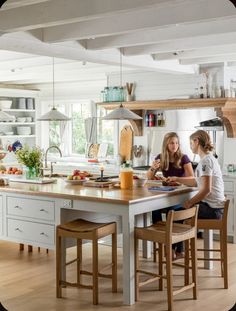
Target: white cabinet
230	192
30	220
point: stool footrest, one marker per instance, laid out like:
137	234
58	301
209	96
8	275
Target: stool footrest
71	261
210	259
66	283
183	289
102	275
208	250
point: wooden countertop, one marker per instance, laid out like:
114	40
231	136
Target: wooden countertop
65	191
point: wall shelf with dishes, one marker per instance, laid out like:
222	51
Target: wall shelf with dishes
20	105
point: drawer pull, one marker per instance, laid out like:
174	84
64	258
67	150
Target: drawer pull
18	229
19	207
43	210
42	233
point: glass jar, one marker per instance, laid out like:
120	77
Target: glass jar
30	173
126	177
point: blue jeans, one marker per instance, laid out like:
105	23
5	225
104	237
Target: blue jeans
156	216
207	212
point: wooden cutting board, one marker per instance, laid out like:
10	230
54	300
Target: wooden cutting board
126	143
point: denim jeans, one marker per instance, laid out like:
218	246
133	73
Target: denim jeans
207	212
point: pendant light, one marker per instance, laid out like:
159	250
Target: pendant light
53	114
121	113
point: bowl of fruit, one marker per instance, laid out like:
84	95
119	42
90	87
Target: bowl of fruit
139	181
77	178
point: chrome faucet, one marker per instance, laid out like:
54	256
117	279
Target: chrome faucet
46	155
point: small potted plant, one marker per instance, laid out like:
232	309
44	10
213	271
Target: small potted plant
32	158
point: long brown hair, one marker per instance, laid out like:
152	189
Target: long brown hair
165	156
204	140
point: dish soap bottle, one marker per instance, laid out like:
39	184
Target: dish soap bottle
126	176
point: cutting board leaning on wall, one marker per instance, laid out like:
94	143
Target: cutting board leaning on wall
126	143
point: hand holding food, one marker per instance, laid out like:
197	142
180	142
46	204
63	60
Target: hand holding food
156	164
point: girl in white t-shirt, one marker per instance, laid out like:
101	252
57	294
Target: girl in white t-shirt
208	179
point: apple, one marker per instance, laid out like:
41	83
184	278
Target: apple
69	177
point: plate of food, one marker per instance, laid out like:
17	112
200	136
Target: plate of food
75	181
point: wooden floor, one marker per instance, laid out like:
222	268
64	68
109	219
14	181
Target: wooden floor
27	283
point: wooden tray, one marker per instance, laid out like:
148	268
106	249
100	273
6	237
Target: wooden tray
101	184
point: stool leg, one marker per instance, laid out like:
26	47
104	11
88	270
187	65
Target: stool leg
223	247
169	276
160	264
79	259
21	247
194	266
186	263
114	262
95	271
30	248
58	266
154	252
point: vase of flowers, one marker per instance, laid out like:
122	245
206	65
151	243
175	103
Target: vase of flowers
32	159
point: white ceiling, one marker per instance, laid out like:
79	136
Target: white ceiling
86	37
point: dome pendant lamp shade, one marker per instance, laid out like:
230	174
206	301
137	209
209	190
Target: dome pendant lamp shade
121	113
53	114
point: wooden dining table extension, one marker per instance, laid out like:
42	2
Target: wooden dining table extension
68	201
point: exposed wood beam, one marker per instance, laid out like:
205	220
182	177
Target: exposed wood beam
178	13
203	52
11	4
151	36
12	43
208	60
58	12
182	44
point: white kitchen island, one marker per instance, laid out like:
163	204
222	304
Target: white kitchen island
29	214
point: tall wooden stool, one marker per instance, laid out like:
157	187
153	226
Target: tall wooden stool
81	229
166	234
221	225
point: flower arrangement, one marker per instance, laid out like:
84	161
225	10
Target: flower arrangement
30	157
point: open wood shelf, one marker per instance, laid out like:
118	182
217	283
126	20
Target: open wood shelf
225	108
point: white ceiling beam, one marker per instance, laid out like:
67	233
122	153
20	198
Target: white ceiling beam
151	36
208	60
179	12
12	43
182	44
58	12
203	52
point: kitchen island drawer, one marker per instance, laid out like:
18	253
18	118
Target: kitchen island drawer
32	208
229	186
31	231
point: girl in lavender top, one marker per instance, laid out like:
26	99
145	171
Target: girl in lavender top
172	162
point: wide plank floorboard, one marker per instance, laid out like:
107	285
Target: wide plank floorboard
27	283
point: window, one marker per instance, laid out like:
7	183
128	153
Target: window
75	134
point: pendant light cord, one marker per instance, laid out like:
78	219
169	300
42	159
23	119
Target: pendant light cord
53	84
121	105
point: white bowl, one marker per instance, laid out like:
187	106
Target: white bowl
23	130
21	119
5	104
139	182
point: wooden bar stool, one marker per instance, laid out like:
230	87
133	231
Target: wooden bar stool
82	229
166	234
221	225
